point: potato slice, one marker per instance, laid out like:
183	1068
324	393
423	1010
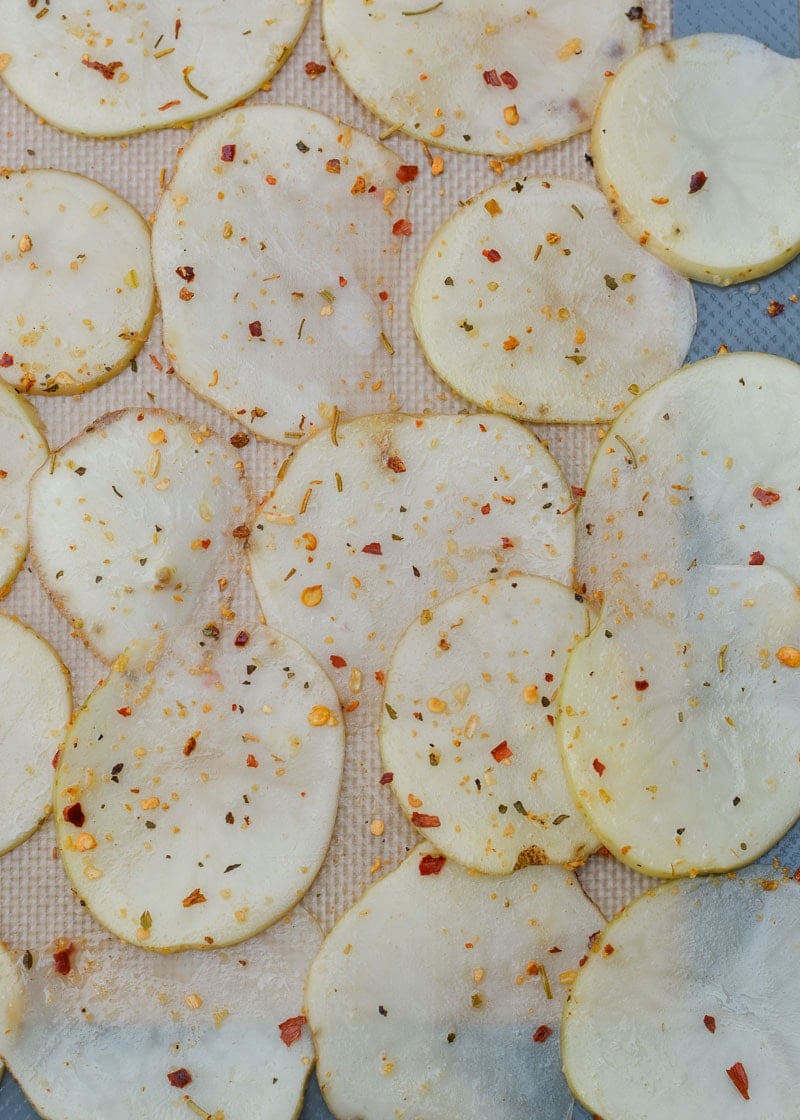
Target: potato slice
132	524
78	289
466	729
376	520
102	69
24	449
440	993
530	301
695	146
97	1028
37	705
691	996
500	81
678	724
276	251
196	793
695	470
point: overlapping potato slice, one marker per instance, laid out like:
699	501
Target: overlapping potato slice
37	705
695	145
78	290
377	519
467	731
196	793
24	449
505	79
696	470
276	251
102	69
530	301
138	524
96	1028
678	723
440	993
691	996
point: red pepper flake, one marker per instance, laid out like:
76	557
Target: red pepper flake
542	1033
507	542
402	228
169	104
74	814
241	639
774	309
292	1029
62	959
492	78
342	282
373	549
252	761
641	686
334	166
508	80
578	491
383	296
107	69
194	898
255	328
6	360
314	69
396	464
502	752
180	1078
425	820
697	182
407	172
55	759
710	1023
431	865
228	153
492	255
738	1076
766	497
598	766
337	661
177	28
126	711
756	559
386	778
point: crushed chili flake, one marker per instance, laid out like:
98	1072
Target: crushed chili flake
506	542
6	360
578	492
407	172
425	820
756	559
228	153
241	639
107	69
240	439
396	464
126	711
337	661
738	1076
598	766
492	255
180	1078
765	496
641	686
501	752
373	549
774	309
492	78
697	182
402	228
255	328
508	80
186	272
334	166
710	1023
431	865
194	898
62	959
74	814
252	761
292	1029
542	1033
314	69
485	509
386	778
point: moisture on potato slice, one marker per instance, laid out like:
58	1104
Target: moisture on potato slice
276	251
501	80
36	708
678	723
695	145
103	69
138	524
690	1000
93	1027
378	518
24	449
196	792
440	993
467	728
78	289
696	470
529	300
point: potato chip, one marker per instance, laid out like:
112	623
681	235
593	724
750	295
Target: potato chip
24	449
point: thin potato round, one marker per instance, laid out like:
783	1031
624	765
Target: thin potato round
37	705
694	143
692	996
499	81
678	724
24	449
376	520
78	294
102	69
196	793
276	251
96	1028
134	522
529	300
467	731
439	993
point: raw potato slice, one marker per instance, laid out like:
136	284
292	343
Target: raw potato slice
276	251
678	725
695	471
196	793
374	521
78	289
466	729
37	705
134	522
498	80
24	449
530	301
440	994
102	69
120	1034
691	996
695	145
